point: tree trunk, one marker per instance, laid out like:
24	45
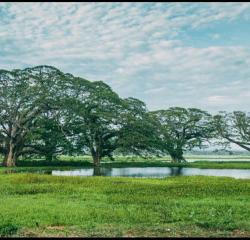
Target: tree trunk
177	156
96	156
10	158
97	160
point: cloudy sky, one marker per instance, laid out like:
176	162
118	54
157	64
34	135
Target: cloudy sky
166	54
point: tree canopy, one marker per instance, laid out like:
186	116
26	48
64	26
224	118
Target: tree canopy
182	129
24	95
45	112
234	127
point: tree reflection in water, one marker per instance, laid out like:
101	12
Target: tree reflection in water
176	171
101	171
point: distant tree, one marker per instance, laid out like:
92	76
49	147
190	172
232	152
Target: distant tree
182	129
233	127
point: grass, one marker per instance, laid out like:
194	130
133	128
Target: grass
34	205
197	164
66	164
43	205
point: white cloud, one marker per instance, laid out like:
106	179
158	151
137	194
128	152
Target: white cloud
135	47
215	36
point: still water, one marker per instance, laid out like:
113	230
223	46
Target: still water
154	172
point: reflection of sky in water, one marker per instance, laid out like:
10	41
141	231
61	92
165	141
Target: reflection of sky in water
236	173
81	172
155	172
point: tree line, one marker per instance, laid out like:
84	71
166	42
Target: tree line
45	112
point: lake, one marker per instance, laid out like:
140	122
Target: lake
153	172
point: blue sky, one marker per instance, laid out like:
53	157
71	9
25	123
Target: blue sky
166	54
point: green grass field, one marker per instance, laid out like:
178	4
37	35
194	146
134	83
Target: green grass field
42	205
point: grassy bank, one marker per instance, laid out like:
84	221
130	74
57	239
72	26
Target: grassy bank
42	205
197	164
197	161
34	166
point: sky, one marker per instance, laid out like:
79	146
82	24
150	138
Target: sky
166	54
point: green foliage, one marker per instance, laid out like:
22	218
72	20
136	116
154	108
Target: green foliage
182	129
8	229
94	120
106	206
48	137
138	135
24	96
103	123
233	128
45	112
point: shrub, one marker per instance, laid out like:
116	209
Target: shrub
8	229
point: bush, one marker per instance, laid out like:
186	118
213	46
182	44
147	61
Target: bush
8	229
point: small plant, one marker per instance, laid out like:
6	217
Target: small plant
8	229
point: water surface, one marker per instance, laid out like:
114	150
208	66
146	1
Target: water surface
154	172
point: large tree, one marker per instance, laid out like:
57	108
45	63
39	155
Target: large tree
182	129
24	95
43	110
102	122
234	128
93	118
